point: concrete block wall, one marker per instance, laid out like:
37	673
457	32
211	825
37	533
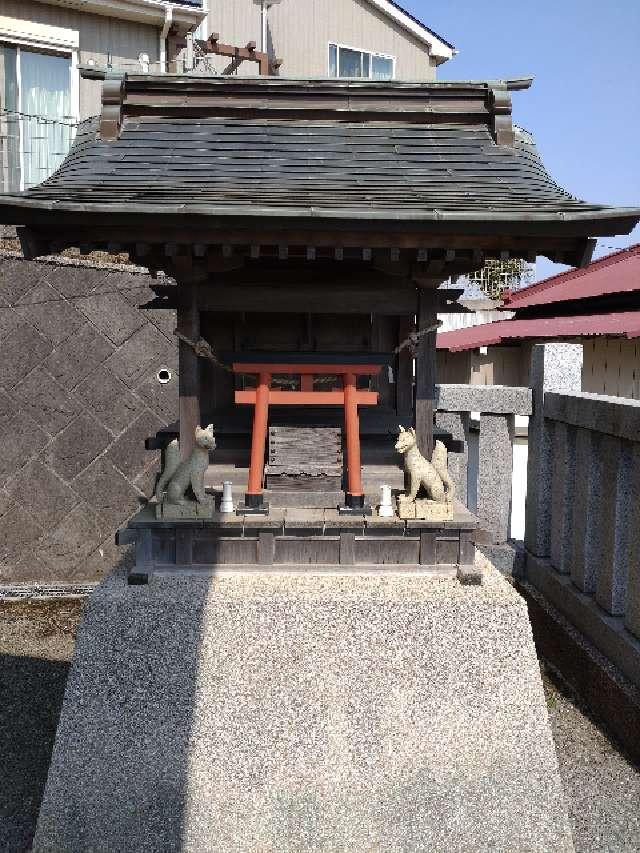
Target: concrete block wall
583	522
78	396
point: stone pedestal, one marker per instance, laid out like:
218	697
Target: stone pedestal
273	712
424	509
186	510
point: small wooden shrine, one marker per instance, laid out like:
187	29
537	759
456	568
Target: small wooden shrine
305	228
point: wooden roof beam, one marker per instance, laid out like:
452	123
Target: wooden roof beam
239	55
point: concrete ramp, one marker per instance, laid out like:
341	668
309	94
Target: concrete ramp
272	713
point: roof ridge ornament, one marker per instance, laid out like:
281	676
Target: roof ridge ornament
112	100
499	103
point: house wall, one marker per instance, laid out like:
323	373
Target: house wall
498	366
612	367
99	36
299	33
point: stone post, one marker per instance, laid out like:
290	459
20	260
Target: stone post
554	367
494	474
562	495
602	525
632	618
580	510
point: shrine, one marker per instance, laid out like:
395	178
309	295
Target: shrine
308	653
301	230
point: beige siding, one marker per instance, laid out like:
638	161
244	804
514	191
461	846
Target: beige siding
502	365
300	32
99	36
453	368
612	366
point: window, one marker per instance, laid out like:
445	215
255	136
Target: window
36	125
350	62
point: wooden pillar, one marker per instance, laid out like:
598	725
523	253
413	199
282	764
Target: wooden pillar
404	378
426	370
188	366
258	438
352	431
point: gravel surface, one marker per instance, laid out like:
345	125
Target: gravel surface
602	788
36	643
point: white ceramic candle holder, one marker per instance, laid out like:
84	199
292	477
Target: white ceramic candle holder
385	510
226	504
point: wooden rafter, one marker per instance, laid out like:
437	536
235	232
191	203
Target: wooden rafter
238	55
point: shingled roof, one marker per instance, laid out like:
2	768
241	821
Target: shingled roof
433	158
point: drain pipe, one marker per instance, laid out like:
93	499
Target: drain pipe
168	20
263	27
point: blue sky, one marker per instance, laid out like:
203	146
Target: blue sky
584	105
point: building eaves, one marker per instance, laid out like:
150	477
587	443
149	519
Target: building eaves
439	47
618	272
617	324
152	12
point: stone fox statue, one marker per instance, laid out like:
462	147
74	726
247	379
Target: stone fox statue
432	475
177	476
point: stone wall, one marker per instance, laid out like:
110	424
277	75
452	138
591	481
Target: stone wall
78	396
583	507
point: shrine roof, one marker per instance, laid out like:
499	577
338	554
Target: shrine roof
442	157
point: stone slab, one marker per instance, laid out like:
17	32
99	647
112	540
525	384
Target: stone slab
301	713
616	416
607	633
589	674
487	399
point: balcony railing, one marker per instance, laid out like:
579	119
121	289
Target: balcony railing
32	147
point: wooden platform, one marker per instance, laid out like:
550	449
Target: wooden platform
298	539
373	477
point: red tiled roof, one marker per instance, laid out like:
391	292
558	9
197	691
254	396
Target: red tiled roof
615	273
550	328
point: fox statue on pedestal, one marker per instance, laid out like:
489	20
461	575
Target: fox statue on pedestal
433	476
177	476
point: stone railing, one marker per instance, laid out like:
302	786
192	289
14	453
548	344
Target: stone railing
498	406
583	506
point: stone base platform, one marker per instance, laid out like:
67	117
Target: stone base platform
270	712
300	538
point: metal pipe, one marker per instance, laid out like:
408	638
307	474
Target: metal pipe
164	32
263	39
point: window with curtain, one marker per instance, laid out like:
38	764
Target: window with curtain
37	125
9	122
350	62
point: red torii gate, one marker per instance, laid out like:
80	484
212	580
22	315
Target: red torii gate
349	397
